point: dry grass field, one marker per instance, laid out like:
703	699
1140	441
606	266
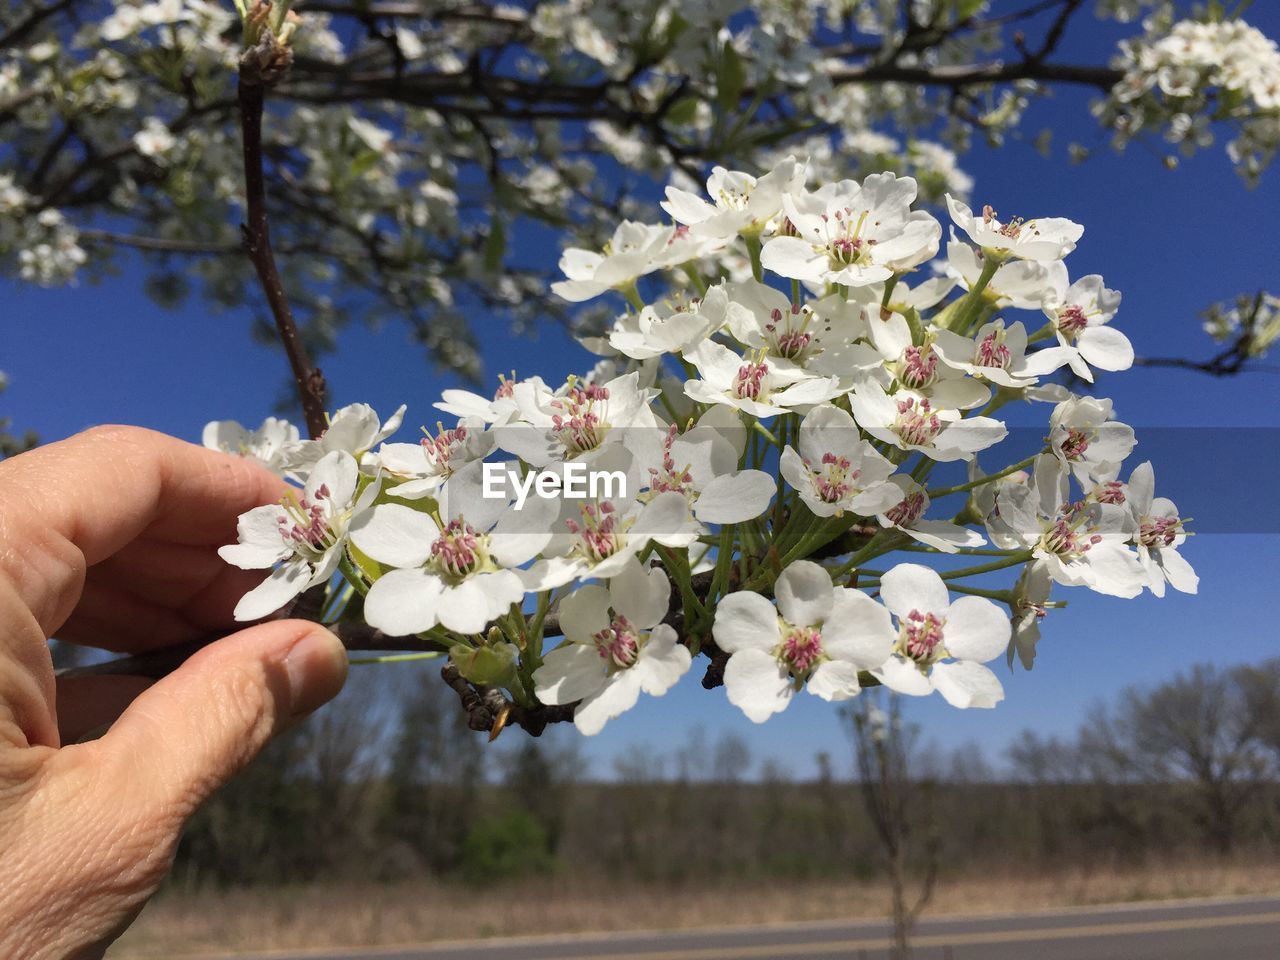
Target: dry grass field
220	924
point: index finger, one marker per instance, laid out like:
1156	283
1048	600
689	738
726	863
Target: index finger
72	504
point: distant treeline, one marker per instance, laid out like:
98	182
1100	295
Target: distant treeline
387	787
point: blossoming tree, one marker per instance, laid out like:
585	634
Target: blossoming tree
412	141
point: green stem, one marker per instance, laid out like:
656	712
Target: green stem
973	301
938	492
1022	556
395	658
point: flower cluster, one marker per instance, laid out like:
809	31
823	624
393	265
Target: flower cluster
790	367
1183	76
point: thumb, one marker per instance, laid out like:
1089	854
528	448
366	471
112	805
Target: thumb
186	735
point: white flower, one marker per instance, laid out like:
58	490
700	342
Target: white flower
1044	239
916	366
1030	600
835	469
1086	440
702	465
467	405
910	422
999	355
1079	314
852	234
740	202
754	386
819	338
269	445
908	512
1158	535
1023	284
154	139
819	636
1082	543
602	535
616	646
940	645
627	256
671	326
580	420
306	535
415	470
459	574
355	429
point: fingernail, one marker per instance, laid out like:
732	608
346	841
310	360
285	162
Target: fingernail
316	667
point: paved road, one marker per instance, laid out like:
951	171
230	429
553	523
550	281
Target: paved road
1235	929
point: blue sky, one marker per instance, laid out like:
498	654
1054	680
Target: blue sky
1173	242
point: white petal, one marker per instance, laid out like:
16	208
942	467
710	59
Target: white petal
805	594
735	497
403	602
746	621
859	630
976	629
757	684
641	595
618	695
663	661
910	586
903	677
569	672
395	535
285	583
1106	348
467	607
967	684
834	680
585	612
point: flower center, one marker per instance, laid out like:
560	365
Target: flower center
1156	532
916	423
992	351
1076	443
918	366
307	526
579	425
834	481
1110	492
1071	533
920	637
1010	229
908	509
599	534
618	643
1071	320
788	333
669	478
459	550
440	448
801	650
846	244
749	383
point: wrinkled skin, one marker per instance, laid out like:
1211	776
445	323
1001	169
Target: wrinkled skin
108	540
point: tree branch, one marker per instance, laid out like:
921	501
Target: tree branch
257	237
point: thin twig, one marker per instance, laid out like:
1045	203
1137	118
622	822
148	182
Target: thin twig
257	243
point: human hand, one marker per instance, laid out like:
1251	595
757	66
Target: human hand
109	540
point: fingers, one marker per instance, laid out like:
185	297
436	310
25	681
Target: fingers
188	734
74	503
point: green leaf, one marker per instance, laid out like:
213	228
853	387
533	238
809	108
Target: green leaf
493	666
731	77
495	245
683	111
363	162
